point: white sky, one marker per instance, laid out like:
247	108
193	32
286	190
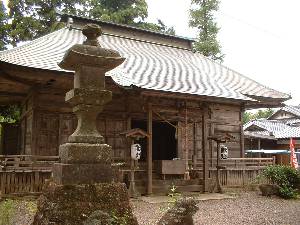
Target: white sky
260	38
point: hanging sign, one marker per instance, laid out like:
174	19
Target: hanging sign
136	151
224	152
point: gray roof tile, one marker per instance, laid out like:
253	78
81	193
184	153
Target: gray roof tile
147	65
277	128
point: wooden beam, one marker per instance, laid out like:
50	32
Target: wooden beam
16	79
205	147
5	93
176	95
149	150
242	139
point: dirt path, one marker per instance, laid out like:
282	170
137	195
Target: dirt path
247	208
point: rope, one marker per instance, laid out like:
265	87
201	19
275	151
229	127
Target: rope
165	120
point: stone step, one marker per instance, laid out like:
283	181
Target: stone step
164	186
165	189
171	182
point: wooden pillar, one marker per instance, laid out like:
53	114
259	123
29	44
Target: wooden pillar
1	139
205	147
211	144
219	189
242	140
259	147
195	156
149	151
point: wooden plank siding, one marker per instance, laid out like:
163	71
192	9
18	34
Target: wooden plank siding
53	121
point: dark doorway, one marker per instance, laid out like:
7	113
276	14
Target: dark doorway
9	139
164	143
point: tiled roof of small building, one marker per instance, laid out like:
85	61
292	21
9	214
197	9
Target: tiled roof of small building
276	128
295	110
148	65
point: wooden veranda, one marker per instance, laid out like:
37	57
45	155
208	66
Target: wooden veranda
27	174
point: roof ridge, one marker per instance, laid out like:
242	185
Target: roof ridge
60	13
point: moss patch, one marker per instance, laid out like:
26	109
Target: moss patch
7	209
73	204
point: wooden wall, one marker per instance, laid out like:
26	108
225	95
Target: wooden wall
47	121
231	115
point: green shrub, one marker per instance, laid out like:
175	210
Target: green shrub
287	192
286	177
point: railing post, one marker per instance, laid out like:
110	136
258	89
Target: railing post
274	160
3	179
243	176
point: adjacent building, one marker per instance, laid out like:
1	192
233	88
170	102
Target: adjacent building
271	136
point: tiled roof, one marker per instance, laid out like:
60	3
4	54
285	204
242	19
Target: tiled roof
295	110
278	129
148	65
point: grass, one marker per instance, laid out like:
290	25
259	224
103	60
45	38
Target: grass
15	209
7	209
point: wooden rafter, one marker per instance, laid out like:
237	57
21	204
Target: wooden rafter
16	79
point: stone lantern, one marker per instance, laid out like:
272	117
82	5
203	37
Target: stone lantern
82	188
85	158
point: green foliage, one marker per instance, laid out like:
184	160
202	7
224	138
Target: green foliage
118	11
33	18
174	196
9	113
30	19
247	116
287	192
7	209
202	18
3	26
119	220
286	177
159	27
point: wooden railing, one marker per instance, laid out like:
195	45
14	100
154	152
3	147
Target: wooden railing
27	162
24	174
236	163
237	171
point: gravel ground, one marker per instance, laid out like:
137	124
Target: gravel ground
248	208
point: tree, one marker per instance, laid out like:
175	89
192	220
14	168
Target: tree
33	18
159	27
258	115
202	18
119	11
3	26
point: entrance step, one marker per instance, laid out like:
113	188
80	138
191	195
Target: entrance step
164	186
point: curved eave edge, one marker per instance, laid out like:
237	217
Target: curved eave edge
268	99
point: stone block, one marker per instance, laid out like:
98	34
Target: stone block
79	204
85	96
95	138
68	174
75	153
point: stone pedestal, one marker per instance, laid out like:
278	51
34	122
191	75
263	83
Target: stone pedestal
74	204
82	184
